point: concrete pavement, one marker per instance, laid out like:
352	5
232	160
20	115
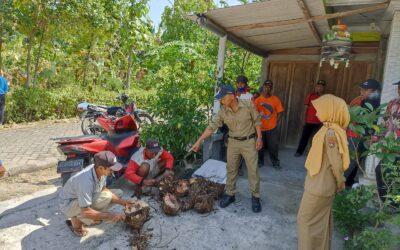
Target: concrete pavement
28	147
34	222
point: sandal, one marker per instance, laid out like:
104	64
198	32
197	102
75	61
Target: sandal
80	232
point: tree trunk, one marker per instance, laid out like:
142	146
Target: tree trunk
246	54
129	70
87	60
1	51
28	63
38	57
1	45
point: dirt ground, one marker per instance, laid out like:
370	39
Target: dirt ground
24	184
31	218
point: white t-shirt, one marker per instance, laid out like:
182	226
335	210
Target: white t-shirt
139	158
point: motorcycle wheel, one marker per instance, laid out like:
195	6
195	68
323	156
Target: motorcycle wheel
90	127
145	119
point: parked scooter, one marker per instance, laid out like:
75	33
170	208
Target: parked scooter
122	140
90	113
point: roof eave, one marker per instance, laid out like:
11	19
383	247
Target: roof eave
202	20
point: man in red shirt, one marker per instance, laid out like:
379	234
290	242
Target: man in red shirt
149	165
312	123
270	108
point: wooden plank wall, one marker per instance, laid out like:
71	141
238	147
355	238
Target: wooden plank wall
294	80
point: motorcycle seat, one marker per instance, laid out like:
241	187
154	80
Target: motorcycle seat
80	137
116	139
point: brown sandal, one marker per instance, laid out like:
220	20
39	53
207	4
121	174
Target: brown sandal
80	232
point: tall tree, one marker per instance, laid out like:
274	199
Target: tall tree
6	24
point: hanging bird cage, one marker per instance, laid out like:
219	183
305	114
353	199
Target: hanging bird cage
336	46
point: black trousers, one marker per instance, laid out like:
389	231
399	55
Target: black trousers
309	131
271	143
351	172
2	108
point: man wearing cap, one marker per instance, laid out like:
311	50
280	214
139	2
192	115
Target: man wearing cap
242	88
242	92
149	165
369	93
85	198
244	140
312	123
270	108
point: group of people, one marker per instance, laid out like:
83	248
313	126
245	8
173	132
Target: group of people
252	124
85	198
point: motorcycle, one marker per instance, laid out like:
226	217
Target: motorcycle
122	140
91	112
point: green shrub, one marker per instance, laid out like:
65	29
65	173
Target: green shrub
370	239
347	209
34	104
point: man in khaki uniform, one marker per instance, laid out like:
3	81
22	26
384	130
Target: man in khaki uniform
245	140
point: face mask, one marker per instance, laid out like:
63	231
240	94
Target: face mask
242	89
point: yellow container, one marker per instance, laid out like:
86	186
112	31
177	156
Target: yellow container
371	36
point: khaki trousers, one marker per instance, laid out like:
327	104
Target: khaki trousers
100	202
247	149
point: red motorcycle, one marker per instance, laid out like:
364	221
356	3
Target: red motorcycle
92	114
122	140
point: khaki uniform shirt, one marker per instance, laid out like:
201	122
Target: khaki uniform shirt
330	176
240	123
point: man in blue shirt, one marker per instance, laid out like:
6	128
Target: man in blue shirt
3	92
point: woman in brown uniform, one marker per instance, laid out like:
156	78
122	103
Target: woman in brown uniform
327	160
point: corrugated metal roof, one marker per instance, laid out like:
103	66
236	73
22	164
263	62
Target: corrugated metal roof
298	34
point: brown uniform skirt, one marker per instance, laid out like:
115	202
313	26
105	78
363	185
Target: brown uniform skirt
314	222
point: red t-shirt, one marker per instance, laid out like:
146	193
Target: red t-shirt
311	112
355	102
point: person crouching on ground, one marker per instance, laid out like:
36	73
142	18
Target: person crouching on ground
327	160
149	165
85	198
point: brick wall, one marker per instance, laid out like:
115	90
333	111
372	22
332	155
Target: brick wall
392	66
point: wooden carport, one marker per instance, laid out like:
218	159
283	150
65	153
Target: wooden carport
288	34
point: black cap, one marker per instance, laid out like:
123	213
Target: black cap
269	82
396	83
321	82
242	79
370	84
107	159
153	145
223	91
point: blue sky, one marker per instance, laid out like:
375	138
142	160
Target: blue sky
157	8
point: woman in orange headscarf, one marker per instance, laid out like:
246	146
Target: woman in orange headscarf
327	160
